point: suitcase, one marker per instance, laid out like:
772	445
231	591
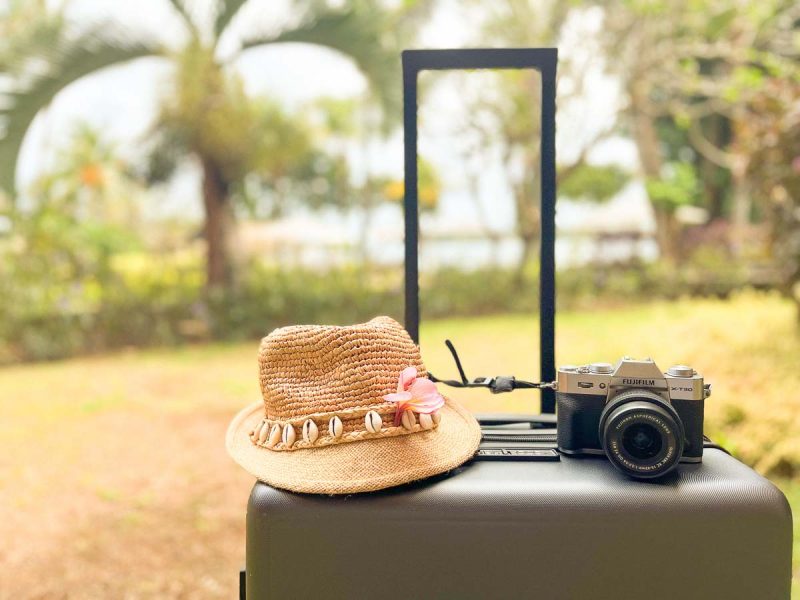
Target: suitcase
572	529
519	520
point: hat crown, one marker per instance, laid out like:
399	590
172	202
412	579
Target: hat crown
311	369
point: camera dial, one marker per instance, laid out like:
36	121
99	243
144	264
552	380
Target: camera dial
680	371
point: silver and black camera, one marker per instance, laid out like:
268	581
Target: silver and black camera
644	420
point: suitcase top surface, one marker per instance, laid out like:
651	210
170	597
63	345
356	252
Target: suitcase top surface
481	486
574	528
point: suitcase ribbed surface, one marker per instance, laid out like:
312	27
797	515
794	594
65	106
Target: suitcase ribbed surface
570	529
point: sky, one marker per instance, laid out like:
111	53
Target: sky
122	101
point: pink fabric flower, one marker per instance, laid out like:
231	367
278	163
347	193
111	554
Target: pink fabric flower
414	393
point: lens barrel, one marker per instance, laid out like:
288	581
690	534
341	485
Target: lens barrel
642	434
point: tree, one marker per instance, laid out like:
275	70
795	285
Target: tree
695	69
26	28
771	135
57	267
209	115
505	114
89	181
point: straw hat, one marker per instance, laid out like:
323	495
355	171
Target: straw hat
348	409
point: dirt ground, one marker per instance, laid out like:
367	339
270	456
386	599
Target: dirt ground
130	494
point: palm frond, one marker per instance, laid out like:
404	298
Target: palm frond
32	40
163	154
67	61
226	11
358	33
181	9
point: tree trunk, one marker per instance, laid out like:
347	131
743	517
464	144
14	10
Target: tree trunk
528	224
218	225
742	205
527	202
714	186
668	234
528	246
649	150
367	206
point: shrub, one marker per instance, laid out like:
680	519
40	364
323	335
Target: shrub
76	293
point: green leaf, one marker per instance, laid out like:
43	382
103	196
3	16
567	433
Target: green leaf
164	154
67	61
683	119
226	11
678	186
181	9
719	23
597	183
25	35
357	34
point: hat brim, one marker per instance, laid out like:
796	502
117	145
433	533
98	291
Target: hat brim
361	466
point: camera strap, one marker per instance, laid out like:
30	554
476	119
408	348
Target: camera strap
497	385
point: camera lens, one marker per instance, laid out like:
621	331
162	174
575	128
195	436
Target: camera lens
642	441
641	434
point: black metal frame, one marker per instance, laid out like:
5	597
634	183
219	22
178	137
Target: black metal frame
543	60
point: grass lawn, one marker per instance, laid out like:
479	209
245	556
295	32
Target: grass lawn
116	483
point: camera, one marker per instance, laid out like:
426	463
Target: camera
643	420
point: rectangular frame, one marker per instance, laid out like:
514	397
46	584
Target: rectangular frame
543	60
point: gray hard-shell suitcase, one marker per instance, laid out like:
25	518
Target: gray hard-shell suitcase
572	529
519	521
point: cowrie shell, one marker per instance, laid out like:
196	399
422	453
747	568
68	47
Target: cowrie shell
408	420
425	421
262	434
436	416
335	427
373	422
288	436
274	436
310	431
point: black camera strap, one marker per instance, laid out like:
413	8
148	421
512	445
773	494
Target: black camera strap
543	60
497	385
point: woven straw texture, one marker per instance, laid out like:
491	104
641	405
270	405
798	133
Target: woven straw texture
322	371
317	369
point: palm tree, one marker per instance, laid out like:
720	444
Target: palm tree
207	115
